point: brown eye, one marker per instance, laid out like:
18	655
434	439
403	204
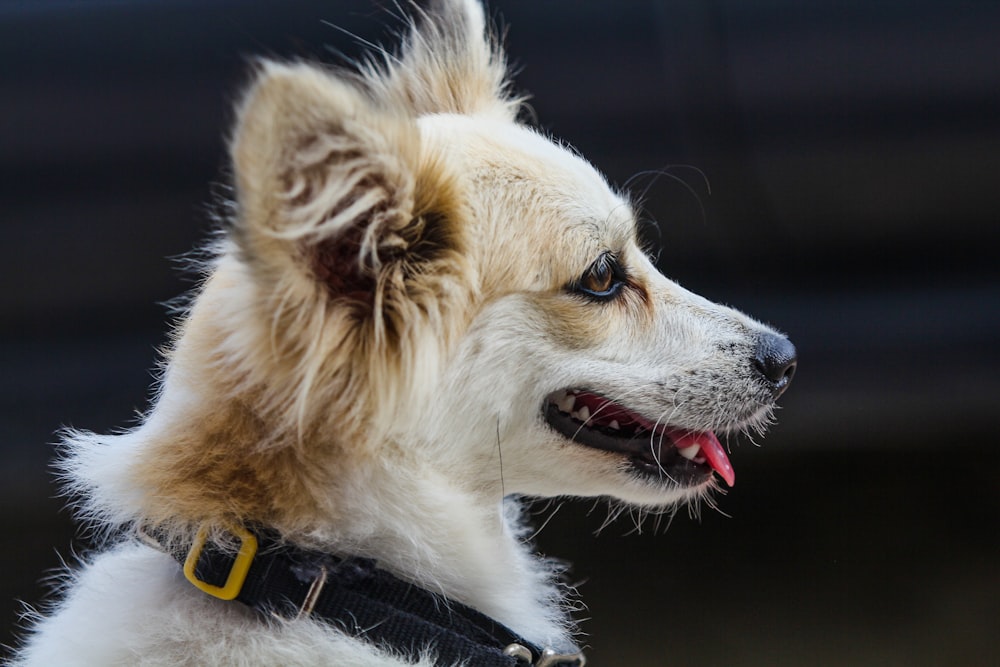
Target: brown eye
602	279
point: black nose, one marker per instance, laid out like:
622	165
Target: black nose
775	360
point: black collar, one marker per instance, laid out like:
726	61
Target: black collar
285	581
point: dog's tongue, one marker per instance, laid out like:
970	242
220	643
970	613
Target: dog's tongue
712	450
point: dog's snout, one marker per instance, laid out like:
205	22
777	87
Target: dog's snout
775	359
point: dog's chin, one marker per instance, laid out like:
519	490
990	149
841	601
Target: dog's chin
662	454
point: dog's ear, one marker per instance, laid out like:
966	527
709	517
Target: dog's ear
341	208
326	176
349	227
452	63
331	164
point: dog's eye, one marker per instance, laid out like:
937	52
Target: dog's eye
603	279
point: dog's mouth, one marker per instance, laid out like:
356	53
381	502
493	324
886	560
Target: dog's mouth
684	457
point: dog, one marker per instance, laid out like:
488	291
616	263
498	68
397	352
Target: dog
422	311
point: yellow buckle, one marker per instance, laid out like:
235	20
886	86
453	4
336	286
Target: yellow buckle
238	571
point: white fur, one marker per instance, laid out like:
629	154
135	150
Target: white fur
407	445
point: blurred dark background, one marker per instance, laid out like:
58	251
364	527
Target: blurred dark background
832	168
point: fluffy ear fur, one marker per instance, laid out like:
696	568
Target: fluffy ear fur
325	179
348	226
319	156
451	63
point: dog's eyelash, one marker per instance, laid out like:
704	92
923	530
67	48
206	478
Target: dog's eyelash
602	280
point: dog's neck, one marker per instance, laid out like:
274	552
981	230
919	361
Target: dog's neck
466	544
193	459
468	547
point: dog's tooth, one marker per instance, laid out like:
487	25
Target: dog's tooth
614	424
566	403
690	452
584	413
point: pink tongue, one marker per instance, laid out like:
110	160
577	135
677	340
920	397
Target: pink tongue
713	452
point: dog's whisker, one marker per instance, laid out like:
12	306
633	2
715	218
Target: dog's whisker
503	485
538	530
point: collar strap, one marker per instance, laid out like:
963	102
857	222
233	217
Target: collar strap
285	581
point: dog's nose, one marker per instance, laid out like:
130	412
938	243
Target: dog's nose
775	359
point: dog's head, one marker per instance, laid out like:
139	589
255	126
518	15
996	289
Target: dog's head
413	275
583	370
480	287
